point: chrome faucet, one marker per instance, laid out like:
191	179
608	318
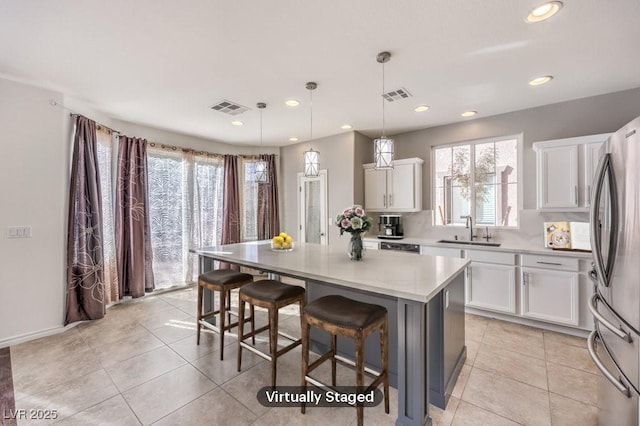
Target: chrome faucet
469	226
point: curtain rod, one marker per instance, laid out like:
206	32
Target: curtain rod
75	114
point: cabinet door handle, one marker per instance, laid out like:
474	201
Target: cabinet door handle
575	194
384	200
588	194
524	278
550	263
390	200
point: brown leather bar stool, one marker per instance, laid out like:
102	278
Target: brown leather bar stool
341	316
271	295
222	281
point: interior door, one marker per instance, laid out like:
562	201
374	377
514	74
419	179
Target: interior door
312	210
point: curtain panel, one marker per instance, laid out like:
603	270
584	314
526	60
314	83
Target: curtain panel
133	235
230	206
85	258
268	211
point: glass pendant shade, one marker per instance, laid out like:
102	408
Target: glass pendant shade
383	153
261	171
311	163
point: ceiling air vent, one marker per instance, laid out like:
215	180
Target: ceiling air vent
229	107
396	95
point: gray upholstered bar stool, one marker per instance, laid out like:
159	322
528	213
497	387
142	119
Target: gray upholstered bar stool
221	281
341	316
271	295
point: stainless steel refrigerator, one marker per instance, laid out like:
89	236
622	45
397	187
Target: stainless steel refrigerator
614	344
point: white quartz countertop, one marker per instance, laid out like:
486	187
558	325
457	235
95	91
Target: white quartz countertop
395	274
504	247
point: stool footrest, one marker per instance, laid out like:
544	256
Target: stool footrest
315	364
268	356
351	363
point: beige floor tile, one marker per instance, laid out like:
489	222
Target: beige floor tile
175	331
475	327
223	371
573	383
164	317
48	349
71	397
113	411
107	333
567	339
567	412
523	368
470	415
472	351
516	338
245	387
188	348
461	382
213	408
130	346
570	356
157	398
142	368
440	417
315	416
35	376
516	401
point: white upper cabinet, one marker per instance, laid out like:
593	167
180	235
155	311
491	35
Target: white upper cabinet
565	169
395	190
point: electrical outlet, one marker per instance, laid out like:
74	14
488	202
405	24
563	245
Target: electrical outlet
18	232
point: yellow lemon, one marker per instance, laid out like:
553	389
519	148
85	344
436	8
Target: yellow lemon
288	238
283	235
286	245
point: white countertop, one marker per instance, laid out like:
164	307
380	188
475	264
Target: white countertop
396	274
504	247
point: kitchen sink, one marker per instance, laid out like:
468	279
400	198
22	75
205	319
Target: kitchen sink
470	243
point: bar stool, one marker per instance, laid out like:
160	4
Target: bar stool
341	316
271	295
222	281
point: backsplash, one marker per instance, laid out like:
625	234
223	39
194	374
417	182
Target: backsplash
420	225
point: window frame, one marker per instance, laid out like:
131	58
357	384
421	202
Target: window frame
472	143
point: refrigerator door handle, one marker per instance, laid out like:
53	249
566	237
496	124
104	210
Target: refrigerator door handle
617	383
593	307
594	219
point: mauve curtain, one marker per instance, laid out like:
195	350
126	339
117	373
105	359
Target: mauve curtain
133	234
230	206
268	213
85	258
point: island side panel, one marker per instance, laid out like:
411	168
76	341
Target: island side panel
207	264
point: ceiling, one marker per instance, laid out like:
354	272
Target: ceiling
164	63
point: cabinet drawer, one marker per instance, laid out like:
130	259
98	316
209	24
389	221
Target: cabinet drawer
440	251
491	257
550	262
371	245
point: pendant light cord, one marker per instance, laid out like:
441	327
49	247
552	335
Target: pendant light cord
311	119
383	99
260	149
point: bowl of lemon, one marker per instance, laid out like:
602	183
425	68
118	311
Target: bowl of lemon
282	242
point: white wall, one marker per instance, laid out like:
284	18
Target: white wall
33	187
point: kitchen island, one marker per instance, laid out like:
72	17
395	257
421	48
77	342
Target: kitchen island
423	294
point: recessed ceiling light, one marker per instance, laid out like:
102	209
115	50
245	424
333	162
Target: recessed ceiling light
292	103
540	80
544	11
346	126
469	113
421	108
237	123
293	139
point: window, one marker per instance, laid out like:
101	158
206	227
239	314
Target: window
185	210
478	178
249	202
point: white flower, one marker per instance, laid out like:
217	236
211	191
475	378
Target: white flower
359	211
356	223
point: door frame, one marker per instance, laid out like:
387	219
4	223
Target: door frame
324	215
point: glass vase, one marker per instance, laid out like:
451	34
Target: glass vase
355	247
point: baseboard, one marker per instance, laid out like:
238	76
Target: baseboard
14	340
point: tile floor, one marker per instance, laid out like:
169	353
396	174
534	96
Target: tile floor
140	365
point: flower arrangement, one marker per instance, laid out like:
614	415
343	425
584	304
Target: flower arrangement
354	221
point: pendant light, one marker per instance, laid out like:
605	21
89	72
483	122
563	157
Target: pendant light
383	146
261	166
311	157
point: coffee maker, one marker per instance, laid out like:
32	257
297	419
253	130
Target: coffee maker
390	227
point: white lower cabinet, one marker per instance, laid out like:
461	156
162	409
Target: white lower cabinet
550	295
490	286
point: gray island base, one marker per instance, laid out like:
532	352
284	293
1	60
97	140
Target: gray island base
424	296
